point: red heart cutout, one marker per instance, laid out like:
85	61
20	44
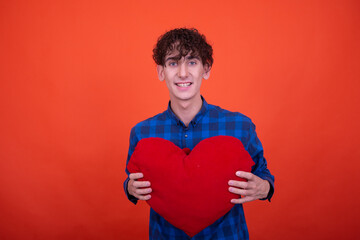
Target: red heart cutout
190	189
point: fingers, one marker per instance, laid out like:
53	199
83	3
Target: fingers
139	189
142	197
140	193
238	187
138	184
242	200
246	175
242	184
239	184
135	176
143	191
251	190
241	188
238	191
141	184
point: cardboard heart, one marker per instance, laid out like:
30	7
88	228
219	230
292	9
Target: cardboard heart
190	189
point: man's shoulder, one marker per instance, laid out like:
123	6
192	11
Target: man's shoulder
217	112
157	119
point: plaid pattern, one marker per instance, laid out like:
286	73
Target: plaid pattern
210	121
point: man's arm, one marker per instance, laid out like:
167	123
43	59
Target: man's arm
135	189
260	182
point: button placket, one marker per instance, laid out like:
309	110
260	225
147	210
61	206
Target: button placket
186	130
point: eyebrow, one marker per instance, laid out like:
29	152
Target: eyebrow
177	58
192	57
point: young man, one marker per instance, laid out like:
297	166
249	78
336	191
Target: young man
184	59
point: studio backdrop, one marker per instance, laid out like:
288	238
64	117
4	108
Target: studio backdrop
75	76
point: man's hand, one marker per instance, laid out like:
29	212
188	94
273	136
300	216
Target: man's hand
139	189
255	188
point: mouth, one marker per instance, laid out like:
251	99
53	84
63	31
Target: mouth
183	84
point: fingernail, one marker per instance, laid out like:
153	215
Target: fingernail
238	174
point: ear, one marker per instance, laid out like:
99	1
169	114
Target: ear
206	74
160	72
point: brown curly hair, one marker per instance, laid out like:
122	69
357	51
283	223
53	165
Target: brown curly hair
184	40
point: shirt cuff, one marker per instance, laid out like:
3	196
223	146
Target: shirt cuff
271	190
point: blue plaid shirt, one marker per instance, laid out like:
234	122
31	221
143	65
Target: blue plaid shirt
210	121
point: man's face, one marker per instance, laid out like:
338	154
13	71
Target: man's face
183	76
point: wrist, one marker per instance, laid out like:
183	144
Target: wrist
266	188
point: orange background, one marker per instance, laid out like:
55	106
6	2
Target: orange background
75	76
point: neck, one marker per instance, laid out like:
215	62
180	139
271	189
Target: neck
186	110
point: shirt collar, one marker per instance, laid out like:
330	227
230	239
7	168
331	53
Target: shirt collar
197	117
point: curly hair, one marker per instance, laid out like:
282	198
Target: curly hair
183	40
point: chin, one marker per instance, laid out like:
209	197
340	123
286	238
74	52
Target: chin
185	98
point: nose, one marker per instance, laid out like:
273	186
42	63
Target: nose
183	70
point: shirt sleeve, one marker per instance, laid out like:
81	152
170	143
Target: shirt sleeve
255	149
133	141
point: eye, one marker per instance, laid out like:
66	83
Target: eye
172	64
192	63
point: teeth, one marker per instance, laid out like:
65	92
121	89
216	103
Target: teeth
183	84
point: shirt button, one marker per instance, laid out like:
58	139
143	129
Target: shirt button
186	135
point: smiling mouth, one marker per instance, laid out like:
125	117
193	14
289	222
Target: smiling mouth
183	84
